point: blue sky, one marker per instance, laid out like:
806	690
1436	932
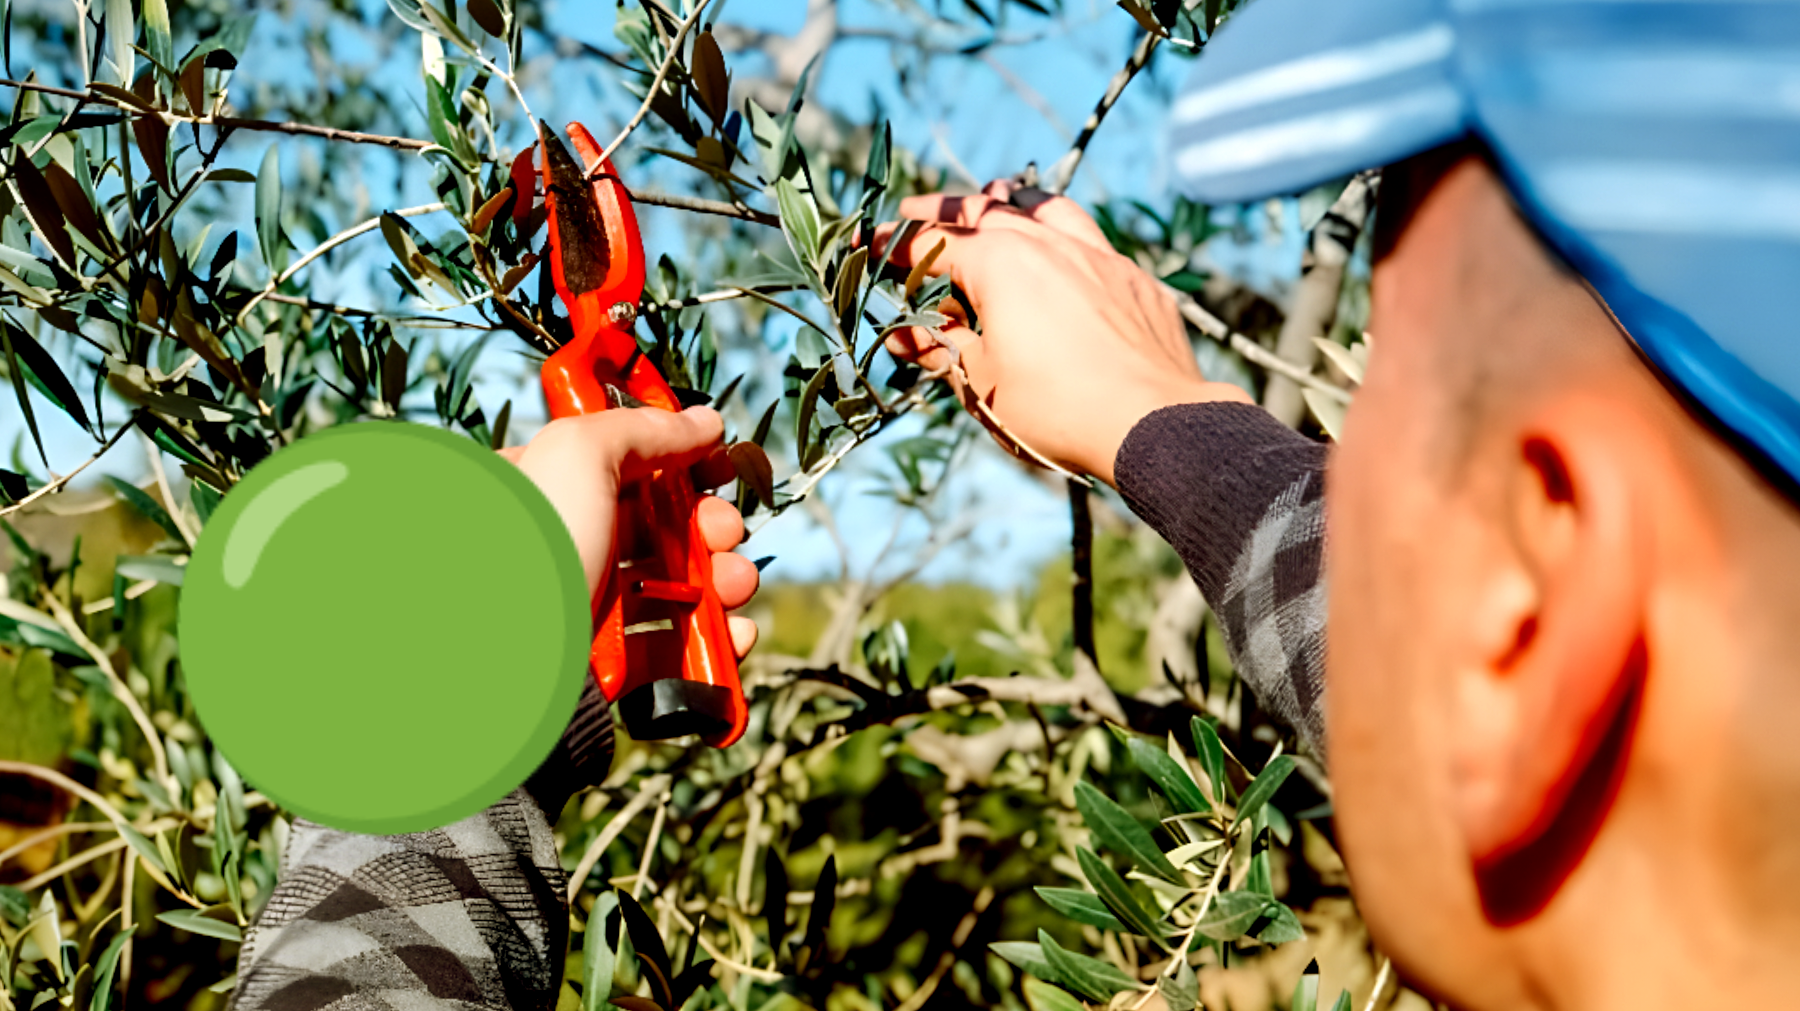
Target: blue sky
979	118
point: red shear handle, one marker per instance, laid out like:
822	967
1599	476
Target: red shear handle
658	619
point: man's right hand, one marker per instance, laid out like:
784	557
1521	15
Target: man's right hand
1077	343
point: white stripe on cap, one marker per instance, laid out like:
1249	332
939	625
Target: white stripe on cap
1673	198
1334	68
1318	134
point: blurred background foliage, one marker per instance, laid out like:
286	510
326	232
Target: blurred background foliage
224	227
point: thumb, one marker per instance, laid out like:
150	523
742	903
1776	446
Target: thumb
657	440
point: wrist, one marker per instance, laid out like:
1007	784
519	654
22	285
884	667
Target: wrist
1147	400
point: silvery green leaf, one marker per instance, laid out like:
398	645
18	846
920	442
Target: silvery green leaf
1329	412
1342	357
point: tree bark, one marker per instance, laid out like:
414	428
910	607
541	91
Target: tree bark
1314	305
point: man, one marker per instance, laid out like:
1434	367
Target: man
1562	550
1562	525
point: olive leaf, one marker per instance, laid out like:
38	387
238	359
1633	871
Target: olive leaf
1088	977
710	79
1170	777
1263	787
1117	830
1082	907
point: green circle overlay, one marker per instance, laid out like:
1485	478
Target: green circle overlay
384	627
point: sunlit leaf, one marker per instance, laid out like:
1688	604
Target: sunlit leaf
121	32
1027	956
269	236
194	921
1306	989
799	219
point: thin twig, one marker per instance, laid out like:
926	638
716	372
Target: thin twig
1064	170
766	975
153	454
1187	942
1214	327
699	205
226	122
327	246
1381	979
67	828
128	898
78	860
652	787
656	83
63	782
652	198
72	629
421	322
656	827
57	485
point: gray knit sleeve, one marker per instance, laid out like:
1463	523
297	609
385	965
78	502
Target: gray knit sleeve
1241	499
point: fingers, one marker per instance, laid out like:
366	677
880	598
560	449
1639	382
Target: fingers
1066	216
735	579
512	454
965	212
743	635
921	347
1004	204
720	524
918	242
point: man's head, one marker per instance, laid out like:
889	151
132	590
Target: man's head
1560	659
1564	563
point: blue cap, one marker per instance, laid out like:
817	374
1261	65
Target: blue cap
1654	143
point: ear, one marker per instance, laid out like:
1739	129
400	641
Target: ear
1556	631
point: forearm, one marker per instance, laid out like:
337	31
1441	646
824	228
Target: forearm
1240	497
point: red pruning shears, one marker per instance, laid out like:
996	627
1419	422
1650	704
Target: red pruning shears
662	648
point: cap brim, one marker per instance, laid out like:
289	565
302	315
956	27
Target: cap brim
1293	93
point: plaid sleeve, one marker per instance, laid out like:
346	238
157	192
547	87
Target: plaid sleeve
1241	499
472	915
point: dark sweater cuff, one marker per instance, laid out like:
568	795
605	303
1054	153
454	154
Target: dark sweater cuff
1202	476
582	758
